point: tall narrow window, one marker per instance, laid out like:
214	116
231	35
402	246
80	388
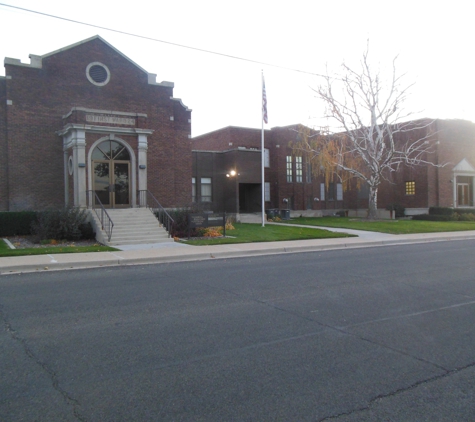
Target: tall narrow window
289	168
193	189
322	191
308	175
206	191
339	192
331	191
464	191
298	169
266	191
266	157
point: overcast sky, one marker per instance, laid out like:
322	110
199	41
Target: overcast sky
434	42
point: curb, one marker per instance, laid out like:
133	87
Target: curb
109	259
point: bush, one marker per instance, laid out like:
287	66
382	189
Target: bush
59	224
441	211
399	210
16	223
87	231
429	217
466	216
180	217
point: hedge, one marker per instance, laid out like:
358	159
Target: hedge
17	223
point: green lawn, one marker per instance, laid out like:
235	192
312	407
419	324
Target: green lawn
6	251
247	233
386	226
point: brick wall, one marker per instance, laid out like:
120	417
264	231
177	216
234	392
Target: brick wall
42	96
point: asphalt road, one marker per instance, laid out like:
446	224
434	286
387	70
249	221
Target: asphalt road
371	334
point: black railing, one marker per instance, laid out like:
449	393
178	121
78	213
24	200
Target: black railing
106	222
146	199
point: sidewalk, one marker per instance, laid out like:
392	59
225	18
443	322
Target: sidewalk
176	252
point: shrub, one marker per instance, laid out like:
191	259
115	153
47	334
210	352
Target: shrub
429	217
15	223
180	217
441	211
399	210
59	224
466	217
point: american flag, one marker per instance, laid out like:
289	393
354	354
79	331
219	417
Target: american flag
264	101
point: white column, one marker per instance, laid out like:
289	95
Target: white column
142	163
79	165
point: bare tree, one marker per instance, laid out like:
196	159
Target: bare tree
370	142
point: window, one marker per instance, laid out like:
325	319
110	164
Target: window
410	188
289	168
193	189
206	189
266	157
331	191
464	191
298	169
308	176
266	191
339	192
98	74
322	191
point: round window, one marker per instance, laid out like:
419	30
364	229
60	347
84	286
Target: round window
98	73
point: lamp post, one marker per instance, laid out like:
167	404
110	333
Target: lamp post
235	174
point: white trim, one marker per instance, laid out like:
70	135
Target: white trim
93	110
89	78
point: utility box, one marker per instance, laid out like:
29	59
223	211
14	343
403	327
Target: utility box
285	214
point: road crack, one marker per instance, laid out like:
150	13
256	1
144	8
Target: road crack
70	401
398	392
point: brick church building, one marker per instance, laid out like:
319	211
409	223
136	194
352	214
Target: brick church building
86	120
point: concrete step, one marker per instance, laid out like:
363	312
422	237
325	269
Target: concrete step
132	226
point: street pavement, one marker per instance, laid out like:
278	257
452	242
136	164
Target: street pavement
175	252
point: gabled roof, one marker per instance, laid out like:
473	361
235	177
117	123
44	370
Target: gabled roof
464	167
36	61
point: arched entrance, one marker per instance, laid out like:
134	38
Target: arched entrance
111	174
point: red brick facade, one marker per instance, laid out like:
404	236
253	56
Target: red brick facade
450	183
52	112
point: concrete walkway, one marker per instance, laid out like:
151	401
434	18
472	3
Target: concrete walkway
176	252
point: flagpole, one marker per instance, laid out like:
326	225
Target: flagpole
263	116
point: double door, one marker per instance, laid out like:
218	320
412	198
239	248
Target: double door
111	183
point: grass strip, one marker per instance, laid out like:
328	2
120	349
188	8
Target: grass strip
6	251
248	233
385	226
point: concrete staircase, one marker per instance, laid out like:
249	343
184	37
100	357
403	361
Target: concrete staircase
132	226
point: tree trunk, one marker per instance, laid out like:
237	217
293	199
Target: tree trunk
373	203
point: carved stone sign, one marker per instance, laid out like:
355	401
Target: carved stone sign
94	118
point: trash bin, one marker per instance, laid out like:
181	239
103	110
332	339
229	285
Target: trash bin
285	214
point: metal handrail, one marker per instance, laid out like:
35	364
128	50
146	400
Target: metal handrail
106	222
146	199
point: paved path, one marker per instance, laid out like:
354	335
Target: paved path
174	252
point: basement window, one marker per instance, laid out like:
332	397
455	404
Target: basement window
98	74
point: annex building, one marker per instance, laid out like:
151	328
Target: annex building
290	181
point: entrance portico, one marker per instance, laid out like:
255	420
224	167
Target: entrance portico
103	160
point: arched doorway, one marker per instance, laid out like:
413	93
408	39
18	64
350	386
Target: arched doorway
111	174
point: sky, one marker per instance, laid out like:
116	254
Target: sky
296	41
